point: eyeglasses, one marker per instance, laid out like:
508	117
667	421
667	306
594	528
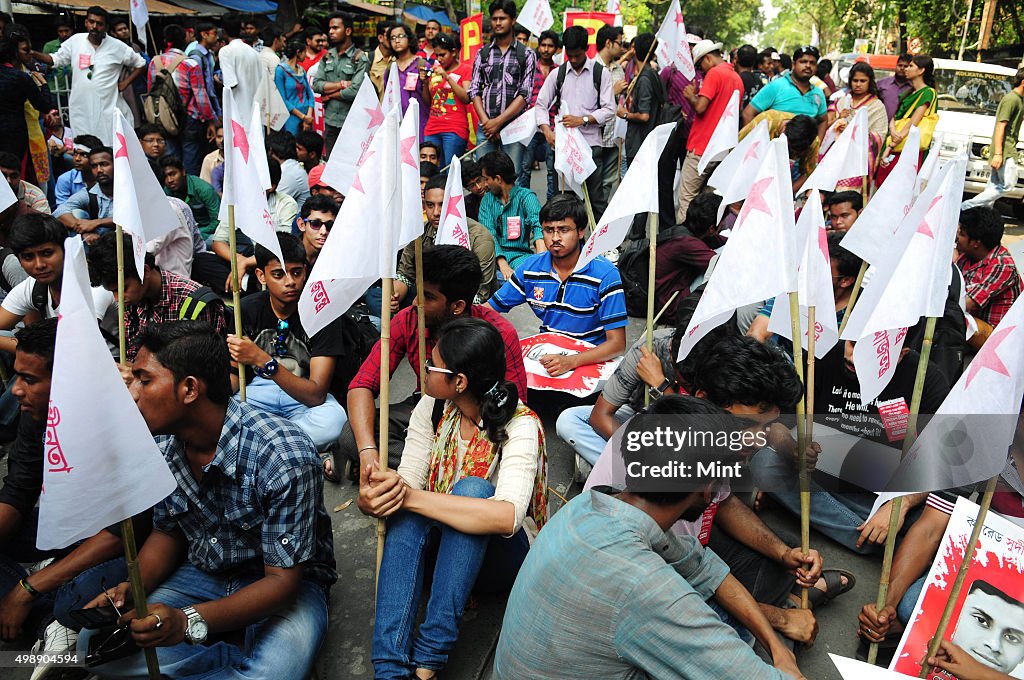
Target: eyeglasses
806	49
319	224
436	369
281	340
400	36
561	231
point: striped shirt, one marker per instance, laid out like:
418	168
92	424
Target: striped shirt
520	217
585	306
188	76
499	78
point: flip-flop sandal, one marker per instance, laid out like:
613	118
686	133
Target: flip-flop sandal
333	476
833	587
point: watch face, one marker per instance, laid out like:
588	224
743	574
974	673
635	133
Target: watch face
197	630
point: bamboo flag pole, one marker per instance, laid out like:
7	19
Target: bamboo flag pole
652	235
853	296
801	436
131	553
236	295
461	158
388	286
590	209
896	508
661	311
805	478
961	576
421	320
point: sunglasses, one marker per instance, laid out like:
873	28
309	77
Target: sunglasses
806	49
281	340
319	224
89	71
436	369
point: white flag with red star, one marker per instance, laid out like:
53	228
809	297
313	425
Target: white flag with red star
523	127
759	259
574	161
814	284
140	17
391	100
931	165
361	247
536	16
101	464
411	225
735	175
871	236
364	119
847	158
673	46
911	283
454	227
726	134
243	187
637	193
140	205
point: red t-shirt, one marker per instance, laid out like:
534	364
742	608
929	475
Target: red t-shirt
447	113
719	84
309	63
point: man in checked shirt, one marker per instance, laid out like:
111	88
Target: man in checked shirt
988	268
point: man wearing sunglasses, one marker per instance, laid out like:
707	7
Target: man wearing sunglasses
315	222
793	92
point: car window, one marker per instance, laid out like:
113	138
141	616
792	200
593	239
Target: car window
970	91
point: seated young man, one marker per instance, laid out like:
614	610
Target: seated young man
214	160
197	194
610	591
451	278
315	221
429	153
155	297
309	149
317	186
37	605
291	373
993	283
80	176
154	145
294	178
29	194
842	208
586	305
474	188
684	252
90	212
480	242
244	543
510	212
38	241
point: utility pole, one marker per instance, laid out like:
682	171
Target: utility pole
988	17
967	25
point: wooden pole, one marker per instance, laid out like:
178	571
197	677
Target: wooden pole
897	503
461	158
387	286
961	576
421	321
660	312
801	435
590	209
853	296
131	553
805	475
236	295
652	235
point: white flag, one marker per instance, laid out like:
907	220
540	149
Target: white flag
411	225
637	193
847	158
910	284
870	237
726	134
356	254
101	464
763	241
574	161
735	175
140	205
536	16
140	17
7	197
814	284
851	669
931	165
364	119
275	111
613	7
673	47
454	227
392	98
523	127
243	187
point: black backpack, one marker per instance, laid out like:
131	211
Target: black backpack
358	338
556	103
634	268
163	105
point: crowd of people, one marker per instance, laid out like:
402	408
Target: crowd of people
238	561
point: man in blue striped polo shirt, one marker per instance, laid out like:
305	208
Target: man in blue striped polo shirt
586	305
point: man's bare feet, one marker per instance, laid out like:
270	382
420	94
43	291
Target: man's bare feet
796	624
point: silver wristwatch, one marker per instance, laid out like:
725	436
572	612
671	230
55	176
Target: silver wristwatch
586	120
196	629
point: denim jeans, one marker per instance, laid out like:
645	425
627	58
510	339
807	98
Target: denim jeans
78	592
515	151
490	562
608	171
20	548
450	144
283	645
536	150
573	426
193	145
1000	182
322	423
905	610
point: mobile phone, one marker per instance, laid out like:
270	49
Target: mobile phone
96	617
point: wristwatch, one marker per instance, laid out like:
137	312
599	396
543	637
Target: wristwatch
659	391
196	629
268	369
586	120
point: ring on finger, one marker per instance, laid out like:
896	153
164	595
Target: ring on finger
159	621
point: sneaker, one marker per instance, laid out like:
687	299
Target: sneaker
57	639
583	469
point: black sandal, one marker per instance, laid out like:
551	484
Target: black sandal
834	587
333	476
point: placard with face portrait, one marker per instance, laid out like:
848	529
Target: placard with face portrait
988	618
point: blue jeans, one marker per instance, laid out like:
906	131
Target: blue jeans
322	423
490	562
536	150
573	426
85	587
905	610
280	646
515	151
20	548
451	145
1000	182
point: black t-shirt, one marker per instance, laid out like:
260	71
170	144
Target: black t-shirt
752	83
261	325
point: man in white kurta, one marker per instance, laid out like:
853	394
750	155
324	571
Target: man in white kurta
243	72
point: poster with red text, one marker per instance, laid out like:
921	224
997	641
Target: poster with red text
581	382
592	21
988	617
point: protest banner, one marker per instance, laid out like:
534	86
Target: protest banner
580	382
471	32
593	22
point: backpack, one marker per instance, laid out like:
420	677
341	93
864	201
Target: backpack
358	337
163	106
5	253
556	103
196	301
634	268
666	112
